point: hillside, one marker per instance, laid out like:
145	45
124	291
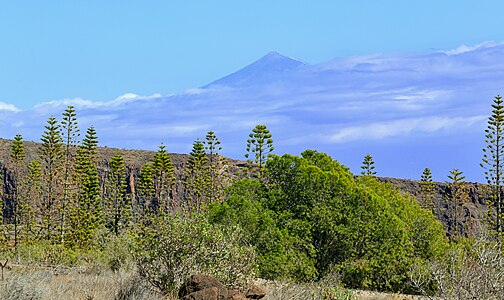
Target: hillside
474	210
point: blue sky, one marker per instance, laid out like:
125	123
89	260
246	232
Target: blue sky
102	49
409	82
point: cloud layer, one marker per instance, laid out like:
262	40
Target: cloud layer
410	111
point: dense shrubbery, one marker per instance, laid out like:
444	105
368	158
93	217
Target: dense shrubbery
284	252
310	216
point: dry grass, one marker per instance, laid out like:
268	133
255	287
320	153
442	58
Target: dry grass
35	283
60	283
313	291
305	291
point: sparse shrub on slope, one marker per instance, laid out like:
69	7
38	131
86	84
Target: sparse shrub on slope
177	246
471	269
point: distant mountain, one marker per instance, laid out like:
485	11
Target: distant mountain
269	68
408	110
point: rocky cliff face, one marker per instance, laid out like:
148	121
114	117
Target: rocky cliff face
474	210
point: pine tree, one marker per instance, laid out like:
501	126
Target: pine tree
34	192
2	187
427	189
368	166
457	198
196	177
3	236
216	168
70	133
146	192
117	203
86	215
260	145
163	176
17	155
493	155
51	154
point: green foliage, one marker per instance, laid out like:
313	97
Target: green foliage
87	213
368	166
69	133
179	245
18	151
33	192
51	153
17	203
427	189
117	202
163	178
259	145
196	178
457	197
145	189
364	229
113	252
217	167
69	127
493	155
281	245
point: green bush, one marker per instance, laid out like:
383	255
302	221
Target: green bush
282	246
309	216
179	245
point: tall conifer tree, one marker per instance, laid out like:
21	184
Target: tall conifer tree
493	155
216	168
51	154
34	192
163	176
17	155
69	133
368	166
146	192
196	177
87	212
259	146
427	190
457	198
117	203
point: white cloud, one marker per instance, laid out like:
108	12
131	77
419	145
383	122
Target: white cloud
381	130
464	48
195	91
8	107
77	102
130	97
414	95
84	103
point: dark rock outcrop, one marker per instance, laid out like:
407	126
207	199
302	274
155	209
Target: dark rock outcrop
204	287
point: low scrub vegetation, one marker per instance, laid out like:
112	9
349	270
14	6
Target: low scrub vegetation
180	245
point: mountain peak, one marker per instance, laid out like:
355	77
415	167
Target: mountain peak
274	55
265	69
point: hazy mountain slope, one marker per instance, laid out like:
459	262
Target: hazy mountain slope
409	110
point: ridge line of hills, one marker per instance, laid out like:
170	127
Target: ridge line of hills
474	210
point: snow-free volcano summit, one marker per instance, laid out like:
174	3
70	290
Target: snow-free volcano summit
409	110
